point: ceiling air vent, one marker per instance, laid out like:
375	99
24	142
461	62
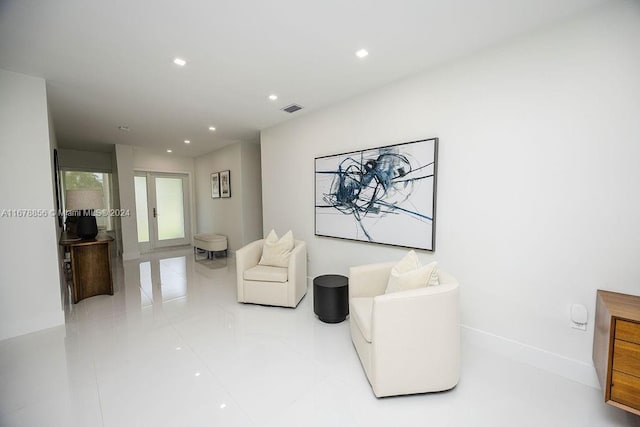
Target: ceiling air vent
292	108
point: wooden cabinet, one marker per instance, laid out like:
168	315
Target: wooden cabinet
616	349
90	266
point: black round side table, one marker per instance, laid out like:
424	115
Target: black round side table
331	297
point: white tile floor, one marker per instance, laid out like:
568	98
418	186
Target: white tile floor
172	347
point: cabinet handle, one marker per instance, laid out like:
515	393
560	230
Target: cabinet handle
155	214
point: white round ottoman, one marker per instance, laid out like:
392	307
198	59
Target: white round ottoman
210	243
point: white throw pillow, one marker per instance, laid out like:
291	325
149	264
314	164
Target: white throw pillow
276	252
410	274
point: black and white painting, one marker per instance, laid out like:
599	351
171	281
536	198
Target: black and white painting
225	184
383	195
215	185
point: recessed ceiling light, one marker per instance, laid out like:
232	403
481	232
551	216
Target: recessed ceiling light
180	62
186	141
212	128
273	97
169	151
362	53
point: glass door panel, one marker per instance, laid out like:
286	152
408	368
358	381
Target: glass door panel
142	213
170	208
162	210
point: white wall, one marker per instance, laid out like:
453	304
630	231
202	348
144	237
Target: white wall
126	190
154	161
29	297
251	193
65	297
538	180
240	216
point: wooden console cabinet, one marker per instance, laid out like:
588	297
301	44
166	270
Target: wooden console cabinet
90	266
616	349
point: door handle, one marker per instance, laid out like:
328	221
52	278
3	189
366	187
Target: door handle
155	213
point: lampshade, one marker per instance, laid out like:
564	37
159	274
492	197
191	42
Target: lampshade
84	199
81	204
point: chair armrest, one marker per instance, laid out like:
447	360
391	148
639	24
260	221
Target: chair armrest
414	309
297	272
247	257
369	280
418	328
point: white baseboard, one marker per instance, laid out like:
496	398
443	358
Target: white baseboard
575	370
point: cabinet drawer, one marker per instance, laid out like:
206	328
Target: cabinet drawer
628	331
626	357
625	389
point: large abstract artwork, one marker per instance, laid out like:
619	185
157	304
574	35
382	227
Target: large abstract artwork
383	195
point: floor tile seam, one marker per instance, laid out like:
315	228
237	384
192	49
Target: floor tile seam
282	410
175	270
307	354
49	396
94	350
173	321
88	320
111	315
150	297
322	378
111	318
310	391
304	356
219	381
95	375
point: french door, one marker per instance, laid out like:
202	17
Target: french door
162	210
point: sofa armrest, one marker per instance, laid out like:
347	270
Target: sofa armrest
369	280
297	274
418	328
426	308
247	257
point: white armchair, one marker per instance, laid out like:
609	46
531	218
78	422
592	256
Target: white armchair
260	284
408	342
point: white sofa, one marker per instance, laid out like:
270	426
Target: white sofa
268	285
408	342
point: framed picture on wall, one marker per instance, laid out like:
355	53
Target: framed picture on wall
215	185
56	168
225	184
383	195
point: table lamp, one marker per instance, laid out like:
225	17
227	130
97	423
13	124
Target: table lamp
84	202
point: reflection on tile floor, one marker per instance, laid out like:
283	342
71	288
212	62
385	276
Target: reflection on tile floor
172	347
